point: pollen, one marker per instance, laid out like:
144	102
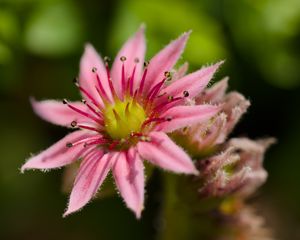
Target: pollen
124	118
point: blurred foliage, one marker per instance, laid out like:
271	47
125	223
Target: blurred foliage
40	46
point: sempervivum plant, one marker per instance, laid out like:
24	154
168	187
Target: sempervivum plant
125	117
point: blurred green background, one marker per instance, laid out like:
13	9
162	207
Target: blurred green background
41	42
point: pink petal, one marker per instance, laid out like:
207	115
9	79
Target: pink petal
164	61
128	172
182	116
180	72
214	94
59	154
87	78
92	172
133	49
163	152
58	113
193	83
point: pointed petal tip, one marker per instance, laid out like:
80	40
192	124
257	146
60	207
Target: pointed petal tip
88	45
142	27
184	36
70	211
138	212
195	172
23	168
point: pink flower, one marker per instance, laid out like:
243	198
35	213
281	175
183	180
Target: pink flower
124	119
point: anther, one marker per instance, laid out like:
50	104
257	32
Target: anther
170	98
73	123
106	59
186	93
83	101
146	63
65	101
123	58
168	119
167	74
69	145
94	69
136	60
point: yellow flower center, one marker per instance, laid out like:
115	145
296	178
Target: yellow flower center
123	118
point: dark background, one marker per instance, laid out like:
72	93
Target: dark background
41	42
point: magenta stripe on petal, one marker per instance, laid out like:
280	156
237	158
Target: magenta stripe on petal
164	61
59	154
87	77
182	116
91	175
194	83
128	172
134	52
58	113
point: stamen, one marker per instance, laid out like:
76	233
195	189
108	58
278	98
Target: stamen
84	140
162	94
150	120
94	69
88	128
81	112
166	105
86	93
123	77
101	91
155	89
143	79
95	111
153	92
107	71
94	142
131	81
